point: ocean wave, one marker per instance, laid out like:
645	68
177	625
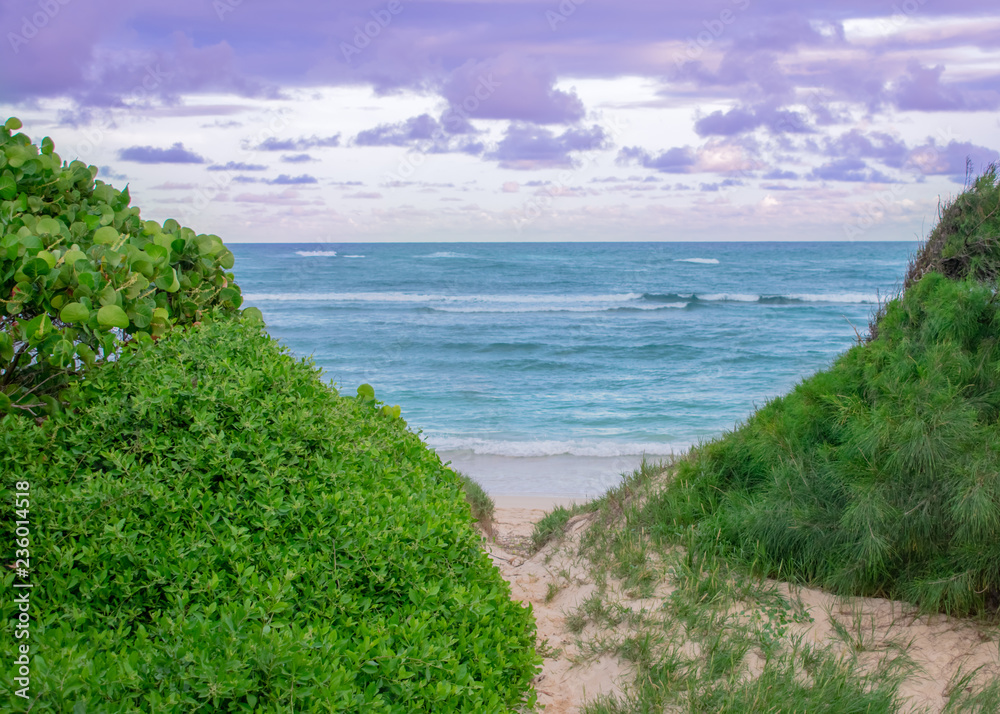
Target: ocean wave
535	449
446	254
839	298
556	308
700	261
316	253
352	256
441	298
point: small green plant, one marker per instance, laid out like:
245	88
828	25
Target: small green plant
551	591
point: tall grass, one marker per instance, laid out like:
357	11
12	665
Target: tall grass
881	475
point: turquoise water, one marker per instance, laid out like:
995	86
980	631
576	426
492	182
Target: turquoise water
550	368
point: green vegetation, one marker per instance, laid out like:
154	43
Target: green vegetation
479	501
213	528
705	633
881	475
81	273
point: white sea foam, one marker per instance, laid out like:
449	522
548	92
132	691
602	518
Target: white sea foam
700	261
559	308
352	256
316	253
445	254
535	449
510	300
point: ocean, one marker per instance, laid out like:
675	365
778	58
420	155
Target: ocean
553	368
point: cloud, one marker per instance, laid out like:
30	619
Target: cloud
297	158
778	174
950	159
510	87
176	154
237	166
106	172
424	133
526	146
272	143
852	170
511	187
364	194
921	89
678	160
414	129
741	120
286	180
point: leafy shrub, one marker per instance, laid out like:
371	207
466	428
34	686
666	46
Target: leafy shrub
81	272
881	475
215	529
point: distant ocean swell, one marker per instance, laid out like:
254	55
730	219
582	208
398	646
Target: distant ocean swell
561	303
529	449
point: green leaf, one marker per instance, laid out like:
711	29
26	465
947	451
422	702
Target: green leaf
253	314
35	267
6	347
48	226
86	354
74	312
13	124
4	403
48	146
106	236
8	186
168	281
366	392
112	316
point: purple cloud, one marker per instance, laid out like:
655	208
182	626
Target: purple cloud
853	170
678	160
237	166
505	88
297	158
526	146
921	89
856	144
176	154
420	128
951	159
740	120
286	180
274	144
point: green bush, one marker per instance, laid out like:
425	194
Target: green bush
81	272
214	529
881	475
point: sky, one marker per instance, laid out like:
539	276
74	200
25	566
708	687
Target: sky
516	120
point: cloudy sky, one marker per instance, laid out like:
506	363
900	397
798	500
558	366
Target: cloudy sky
521	120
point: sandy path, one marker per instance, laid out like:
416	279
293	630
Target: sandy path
555	582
